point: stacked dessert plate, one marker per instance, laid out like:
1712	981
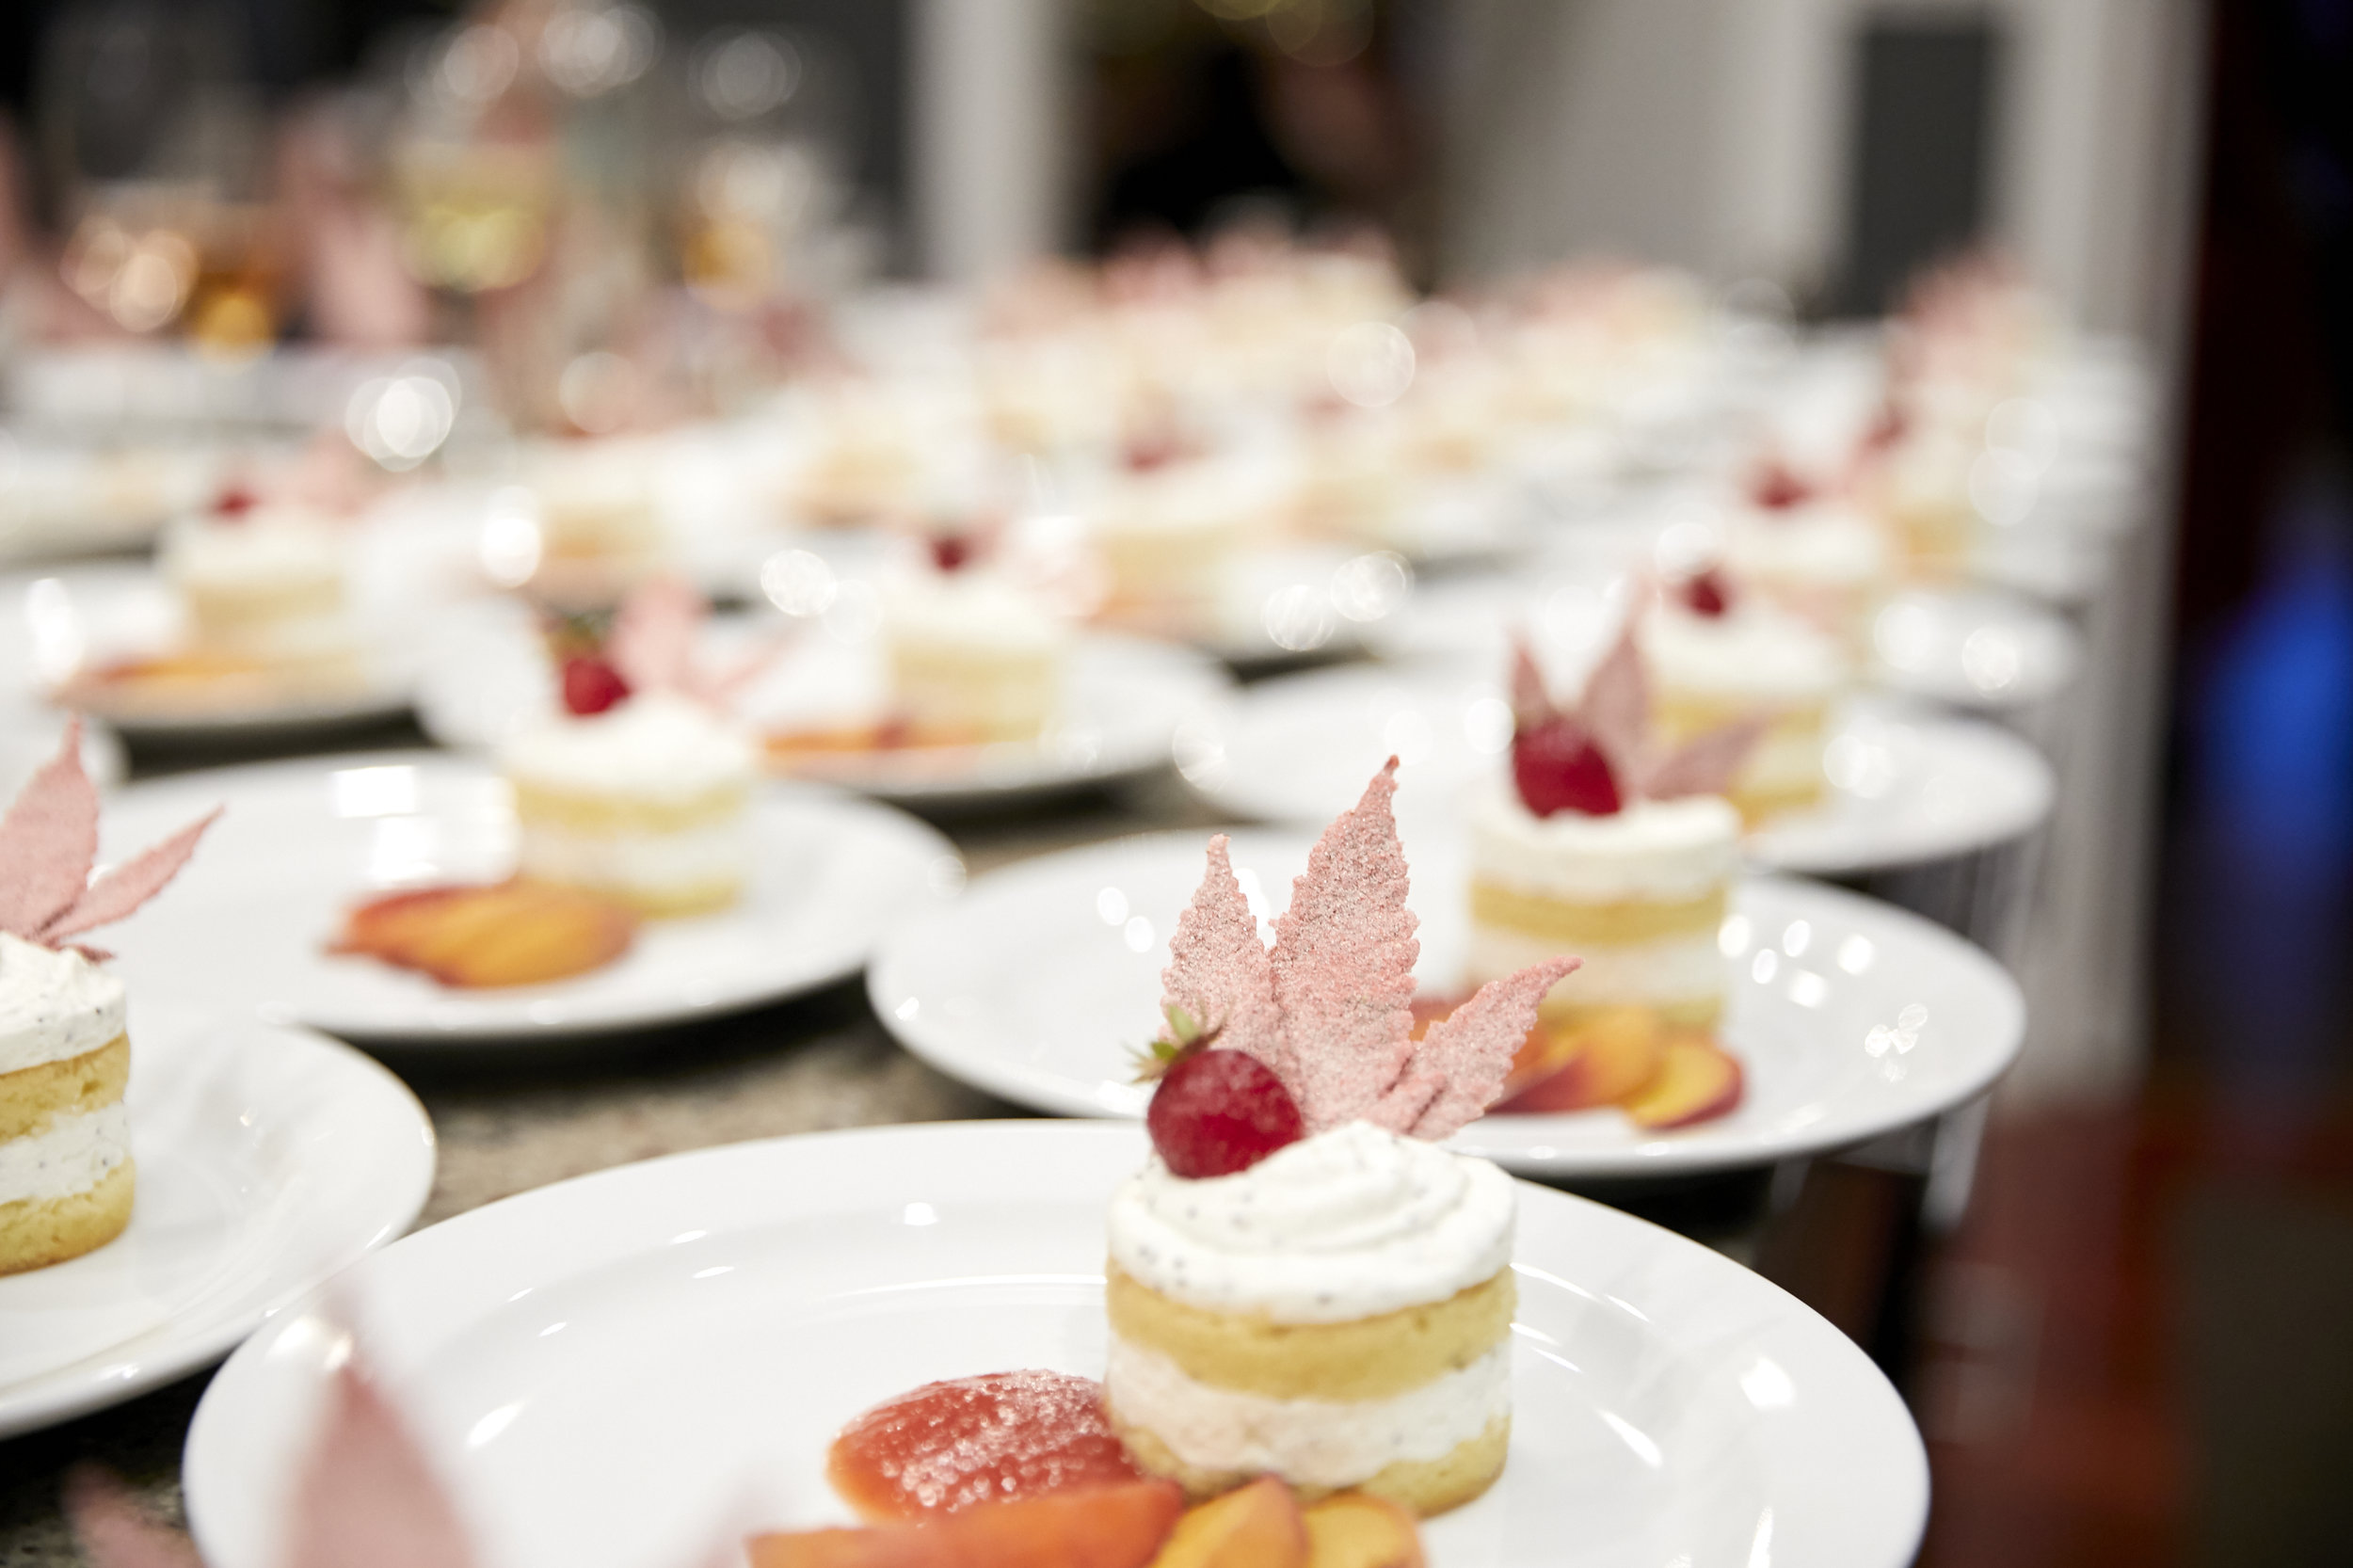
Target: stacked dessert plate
247	928
1850	1018
636	1367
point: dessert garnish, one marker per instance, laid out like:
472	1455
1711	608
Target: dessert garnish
952	552
1775	487
1219	1112
49	843
515	932
945	1447
1599	755
652	643
1328	1010
590	684
1706	593
1100	1527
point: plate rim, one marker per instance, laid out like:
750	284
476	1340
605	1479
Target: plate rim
1038	1090
216	1420
106	1386
529	1032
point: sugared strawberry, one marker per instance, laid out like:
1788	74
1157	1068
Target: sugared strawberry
591	685
1777	488
1706	593
1220	1111
952	551
1559	767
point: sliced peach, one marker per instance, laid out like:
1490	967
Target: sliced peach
1258	1525
1103	1526
509	933
1611	1055
1356	1530
1696	1081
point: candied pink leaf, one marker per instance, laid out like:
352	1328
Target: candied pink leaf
1469	1052
1531	704
48	841
1219	971
368	1497
133	883
1707	764
652	642
1615	710
117	1532
1343	964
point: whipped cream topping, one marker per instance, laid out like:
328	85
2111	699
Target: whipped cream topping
72	1154
1754	653
277	547
53	1005
656	746
972	610
1348	1223
1307	1441
1660	850
1821	542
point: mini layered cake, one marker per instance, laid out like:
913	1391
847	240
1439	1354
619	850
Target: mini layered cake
1638	893
647	802
1302	1282
66	1175
1339	1314
264	588
600	519
1718	657
1816	555
972	659
1167	539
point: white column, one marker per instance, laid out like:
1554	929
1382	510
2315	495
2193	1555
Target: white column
991	133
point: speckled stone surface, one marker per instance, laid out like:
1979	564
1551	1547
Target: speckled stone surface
509	1125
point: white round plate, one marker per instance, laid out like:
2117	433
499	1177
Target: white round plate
1907	784
1850	1018
632	1368
1973	647
1122	700
246	926
54	622
269	1159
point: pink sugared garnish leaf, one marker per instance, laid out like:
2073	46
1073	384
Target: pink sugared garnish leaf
1459	1067
48	840
655	633
1615	709
1531	703
115	895
1557	766
115	1532
1343	964
1707	764
1219	973
368	1497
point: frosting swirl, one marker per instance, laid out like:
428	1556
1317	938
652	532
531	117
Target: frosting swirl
54	1005
1348	1223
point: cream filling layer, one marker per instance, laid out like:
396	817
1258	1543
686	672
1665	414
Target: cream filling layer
652	862
1307	1441
1681	969
72	1154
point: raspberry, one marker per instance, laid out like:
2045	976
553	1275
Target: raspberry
1706	594
1557	767
1220	1111
591	685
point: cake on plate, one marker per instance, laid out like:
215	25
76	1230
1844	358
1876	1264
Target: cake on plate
1167	537
1720	655
67	1178
265	587
600	519
1303	1282
973	658
1816	555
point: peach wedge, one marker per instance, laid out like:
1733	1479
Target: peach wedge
1100	1527
1695	1081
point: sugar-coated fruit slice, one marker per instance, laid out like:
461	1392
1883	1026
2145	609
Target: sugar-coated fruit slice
1696	1080
948	1445
591	685
1356	1530
1608	1057
1258	1525
1220	1111
1560	767
507	934
1099	1527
